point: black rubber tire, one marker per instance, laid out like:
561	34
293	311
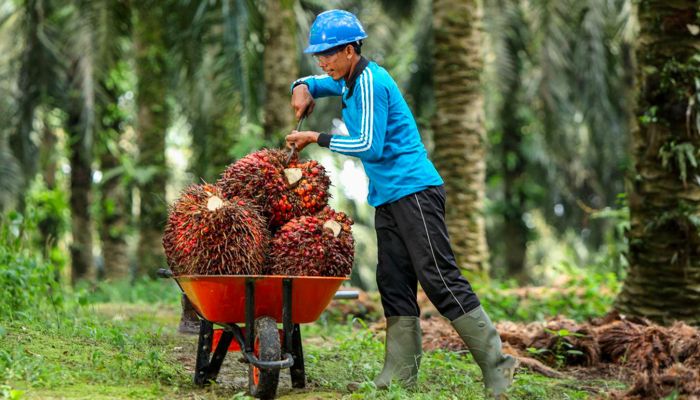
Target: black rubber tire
268	339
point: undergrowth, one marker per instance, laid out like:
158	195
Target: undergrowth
356	355
583	296
108	341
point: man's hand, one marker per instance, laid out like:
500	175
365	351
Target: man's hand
301	139
301	98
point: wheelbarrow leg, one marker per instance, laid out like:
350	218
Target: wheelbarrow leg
292	337
250	314
212	371
297	370
287	326
206	333
207	368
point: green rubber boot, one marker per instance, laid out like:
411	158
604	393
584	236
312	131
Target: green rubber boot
479	334
403	354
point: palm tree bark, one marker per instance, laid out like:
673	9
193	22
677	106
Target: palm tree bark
113	27
114	215
280	67
50	226
34	75
79	130
515	232
153	120
513	161
663	282
460	142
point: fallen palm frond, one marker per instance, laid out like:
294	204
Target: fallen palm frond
665	359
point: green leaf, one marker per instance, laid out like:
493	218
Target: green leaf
689	151
17	394
112	172
143	175
536	351
3	332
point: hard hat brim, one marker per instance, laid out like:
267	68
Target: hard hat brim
321	47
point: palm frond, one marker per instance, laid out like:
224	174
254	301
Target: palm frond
38	65
77	98
111	24
219	45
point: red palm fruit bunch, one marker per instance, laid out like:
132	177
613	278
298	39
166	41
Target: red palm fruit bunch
282	191
314	245
209	235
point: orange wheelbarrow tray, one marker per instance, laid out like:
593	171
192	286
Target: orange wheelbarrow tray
260	302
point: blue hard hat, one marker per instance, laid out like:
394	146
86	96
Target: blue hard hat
333	28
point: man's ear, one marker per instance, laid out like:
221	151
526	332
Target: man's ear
349	51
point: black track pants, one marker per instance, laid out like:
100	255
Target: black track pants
413	246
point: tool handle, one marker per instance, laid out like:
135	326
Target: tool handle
294	145
302	117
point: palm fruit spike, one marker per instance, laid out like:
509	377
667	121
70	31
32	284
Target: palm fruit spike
282	191
209	235
315	245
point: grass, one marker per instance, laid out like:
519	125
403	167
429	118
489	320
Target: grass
131	351
346	355
118	341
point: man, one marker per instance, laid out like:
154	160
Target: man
408	193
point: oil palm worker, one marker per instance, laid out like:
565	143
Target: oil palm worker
409	197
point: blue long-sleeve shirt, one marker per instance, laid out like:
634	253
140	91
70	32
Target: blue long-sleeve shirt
383	133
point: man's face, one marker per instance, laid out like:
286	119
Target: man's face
336	65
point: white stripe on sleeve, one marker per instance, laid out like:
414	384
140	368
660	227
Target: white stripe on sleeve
364	142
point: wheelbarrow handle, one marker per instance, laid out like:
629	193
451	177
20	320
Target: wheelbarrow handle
165	273
346	295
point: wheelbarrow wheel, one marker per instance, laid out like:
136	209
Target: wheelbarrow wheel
263	382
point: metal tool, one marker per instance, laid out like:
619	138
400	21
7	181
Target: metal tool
294	146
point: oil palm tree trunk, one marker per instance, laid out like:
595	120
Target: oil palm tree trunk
49	227
31	85
513	162
515	232
663	282
153	120
112	26
280	67
79	108
114	215
460	143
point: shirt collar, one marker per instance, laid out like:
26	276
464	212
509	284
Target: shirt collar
359	68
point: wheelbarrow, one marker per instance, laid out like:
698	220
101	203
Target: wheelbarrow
260	302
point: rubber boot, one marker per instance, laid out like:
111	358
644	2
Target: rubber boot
189	321
479	334
403	354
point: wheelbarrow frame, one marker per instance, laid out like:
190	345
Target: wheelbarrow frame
208	365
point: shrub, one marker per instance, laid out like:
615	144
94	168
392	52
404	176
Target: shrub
28	283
